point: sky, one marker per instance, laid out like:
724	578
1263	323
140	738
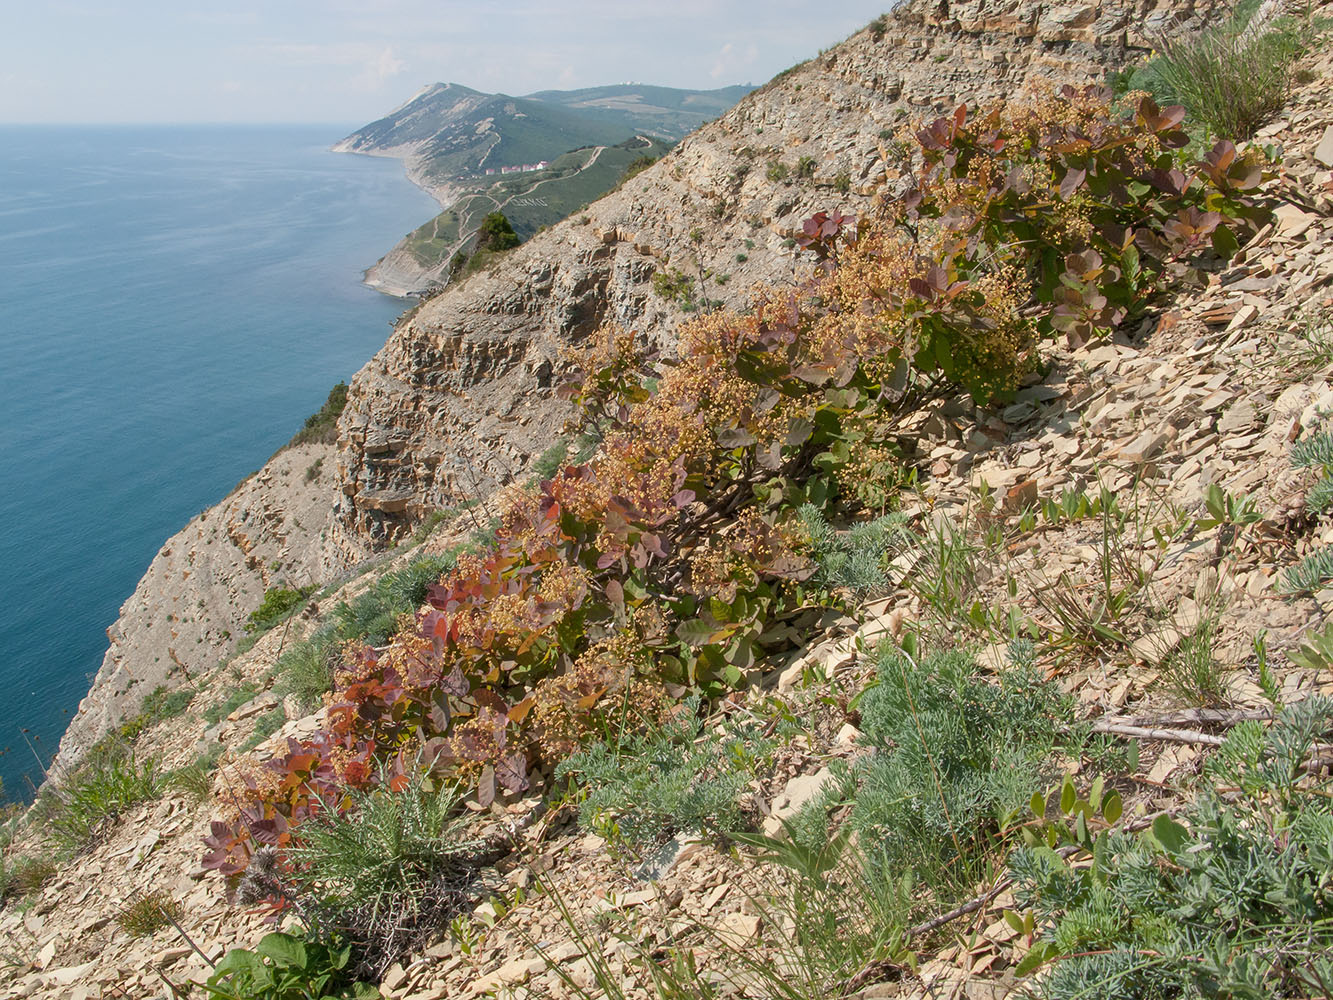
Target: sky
169	61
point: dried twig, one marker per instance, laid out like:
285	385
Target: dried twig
1167	735
1194	716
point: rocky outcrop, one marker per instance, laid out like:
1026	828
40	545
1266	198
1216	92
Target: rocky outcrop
400	273
190	608
464	391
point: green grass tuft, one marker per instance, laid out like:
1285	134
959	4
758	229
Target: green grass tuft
1234	78
82	805
955	760
674	778
147	913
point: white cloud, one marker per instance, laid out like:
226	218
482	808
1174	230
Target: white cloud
731	62
378	71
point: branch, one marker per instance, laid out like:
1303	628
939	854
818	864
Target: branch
1218	716
1167	735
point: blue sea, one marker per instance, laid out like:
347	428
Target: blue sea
174	301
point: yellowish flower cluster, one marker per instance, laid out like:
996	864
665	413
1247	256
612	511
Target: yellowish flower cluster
611	346
563	584
871	475
412	657
608	675
727	560
518	506
506	614
477	735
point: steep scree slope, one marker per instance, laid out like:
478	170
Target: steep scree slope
463	394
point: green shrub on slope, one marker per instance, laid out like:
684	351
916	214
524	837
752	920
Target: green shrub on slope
1236	902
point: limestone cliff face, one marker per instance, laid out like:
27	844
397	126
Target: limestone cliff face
190	608
464	391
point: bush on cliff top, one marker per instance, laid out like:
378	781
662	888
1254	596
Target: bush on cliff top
675	554
322	425
496	234
1233	78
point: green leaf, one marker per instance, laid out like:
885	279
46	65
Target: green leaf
1171	835
1038	805
1015	921
1100	853
284	949
696	632
909	644
1038	955
1129	261
237	961
1095	795
720	610
1112	808
1068	796
740	655
1225	242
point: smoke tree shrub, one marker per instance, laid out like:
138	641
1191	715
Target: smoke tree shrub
675	554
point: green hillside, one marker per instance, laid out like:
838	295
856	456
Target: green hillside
452	136
575	179
532	199
453	132
663	111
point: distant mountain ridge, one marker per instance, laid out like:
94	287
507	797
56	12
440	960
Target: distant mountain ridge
535	158
449	132
664	111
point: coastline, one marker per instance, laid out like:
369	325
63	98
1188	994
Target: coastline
397	273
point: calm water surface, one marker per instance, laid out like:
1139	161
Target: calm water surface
174	301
